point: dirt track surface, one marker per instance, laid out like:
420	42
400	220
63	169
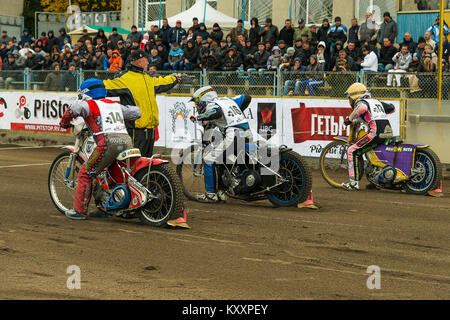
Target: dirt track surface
234	251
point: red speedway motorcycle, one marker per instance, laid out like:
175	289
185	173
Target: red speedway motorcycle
132	185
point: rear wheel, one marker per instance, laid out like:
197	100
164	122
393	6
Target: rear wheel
427	172
299	181
62	189
166	186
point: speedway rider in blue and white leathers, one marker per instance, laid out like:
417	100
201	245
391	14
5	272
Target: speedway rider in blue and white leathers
226	115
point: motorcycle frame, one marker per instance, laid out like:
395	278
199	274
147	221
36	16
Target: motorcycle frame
357	132
139	163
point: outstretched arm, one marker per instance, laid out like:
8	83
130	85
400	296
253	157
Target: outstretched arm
131	112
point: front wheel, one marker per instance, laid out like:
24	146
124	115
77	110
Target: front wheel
334	163
62	189
426	174
190	169
299	181
166	186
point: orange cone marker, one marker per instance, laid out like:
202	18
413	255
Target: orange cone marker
437	192
308	203
180	222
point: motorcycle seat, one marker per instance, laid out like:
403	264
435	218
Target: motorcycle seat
395	140
130	153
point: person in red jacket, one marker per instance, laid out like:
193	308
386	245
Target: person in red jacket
109	133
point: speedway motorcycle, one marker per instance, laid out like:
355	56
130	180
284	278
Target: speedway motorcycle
391	165
131	185
244	179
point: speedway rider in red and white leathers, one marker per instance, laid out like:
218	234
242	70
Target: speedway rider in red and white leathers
371	112
105	120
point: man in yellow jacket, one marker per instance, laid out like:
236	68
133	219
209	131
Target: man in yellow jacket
137	88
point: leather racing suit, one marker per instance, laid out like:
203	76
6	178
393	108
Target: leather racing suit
372	113
105	120
226	114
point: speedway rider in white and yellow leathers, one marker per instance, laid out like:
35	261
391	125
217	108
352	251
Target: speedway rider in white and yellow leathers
225	114
372	113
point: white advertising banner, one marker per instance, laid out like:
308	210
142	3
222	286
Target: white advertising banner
34	111
306	125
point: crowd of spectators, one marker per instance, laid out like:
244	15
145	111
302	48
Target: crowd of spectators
328	47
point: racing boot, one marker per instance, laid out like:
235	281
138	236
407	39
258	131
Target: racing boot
351	186
75	215
222	195
208	197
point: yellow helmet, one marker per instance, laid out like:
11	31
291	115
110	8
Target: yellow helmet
356	91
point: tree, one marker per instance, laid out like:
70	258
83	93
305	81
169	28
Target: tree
84	5
29	8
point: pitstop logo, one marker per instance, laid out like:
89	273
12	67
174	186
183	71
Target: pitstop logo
318	123
22	110
3	107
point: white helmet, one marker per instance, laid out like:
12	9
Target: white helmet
203	96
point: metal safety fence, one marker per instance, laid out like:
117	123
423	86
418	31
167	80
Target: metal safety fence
392	84
322	84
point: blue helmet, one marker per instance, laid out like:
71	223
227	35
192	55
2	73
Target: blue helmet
93	88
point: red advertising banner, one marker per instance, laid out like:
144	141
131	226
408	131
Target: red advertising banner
318	123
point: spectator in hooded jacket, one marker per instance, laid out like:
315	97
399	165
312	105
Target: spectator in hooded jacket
53	79
274	61
221	51
175	58
232	61
191	56
314	80
115	62
155	60
208	61
100	35
217	33
255	32
201	31
26	37
246	53
52	41
62	35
